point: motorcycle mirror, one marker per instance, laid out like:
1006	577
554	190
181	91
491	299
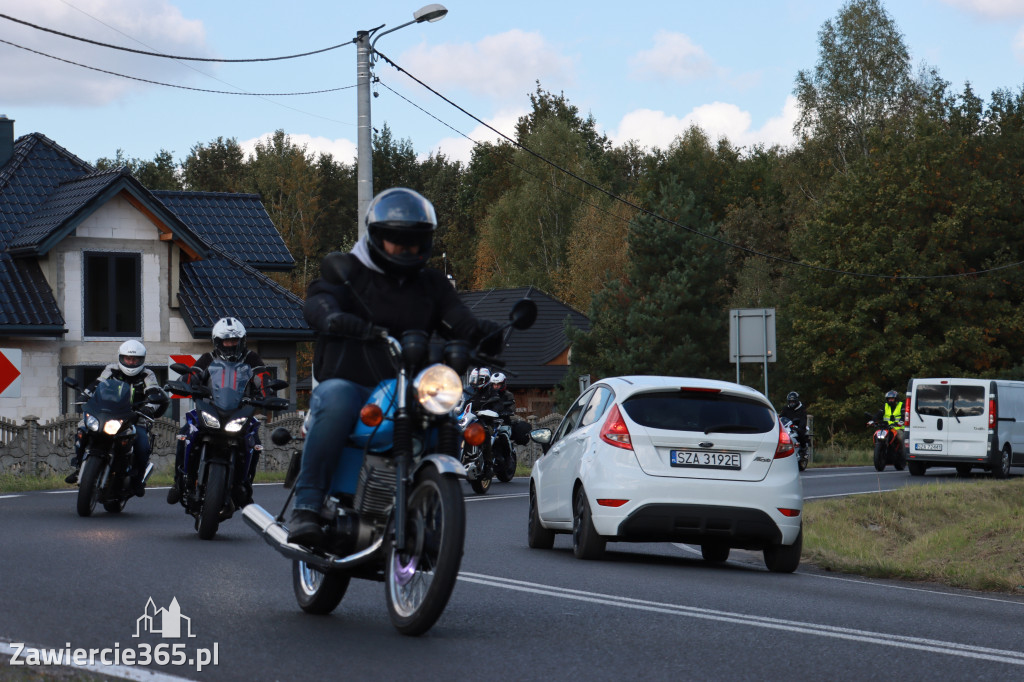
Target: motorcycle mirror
277	384
178	387
70	382
280	436
456	355
524	314
336	268
181	368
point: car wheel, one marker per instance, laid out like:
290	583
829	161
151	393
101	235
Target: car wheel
714	552
586	543
1001	468
917	468
537	536
963	469
784	558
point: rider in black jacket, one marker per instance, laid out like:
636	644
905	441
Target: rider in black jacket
796	412
388	291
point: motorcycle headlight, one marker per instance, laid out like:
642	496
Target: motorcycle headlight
438	388
235	425
210	421
92	422
112	426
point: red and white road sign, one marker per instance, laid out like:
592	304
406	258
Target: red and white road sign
174	376
10	372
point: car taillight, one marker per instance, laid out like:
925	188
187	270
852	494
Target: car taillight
785	446
789	512
906	412
614	432
992	416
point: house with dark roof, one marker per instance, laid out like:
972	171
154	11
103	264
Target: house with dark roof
91	258
536	359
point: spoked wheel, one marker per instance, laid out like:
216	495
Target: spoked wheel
318	593
419	581
481	484
504	462
802	461
213	501
879	455
88	485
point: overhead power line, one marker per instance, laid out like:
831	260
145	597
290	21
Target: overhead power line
173	85
641	209
170	56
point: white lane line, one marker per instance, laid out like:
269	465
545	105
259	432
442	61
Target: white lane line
860	473
484	498
59	492
863	492
120	671
831	631
2	497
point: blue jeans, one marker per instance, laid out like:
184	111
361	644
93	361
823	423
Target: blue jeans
333	411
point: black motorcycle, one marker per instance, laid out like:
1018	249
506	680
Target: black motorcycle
221	443
394	511
110	416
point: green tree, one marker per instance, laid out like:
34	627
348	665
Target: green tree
160	173
218	166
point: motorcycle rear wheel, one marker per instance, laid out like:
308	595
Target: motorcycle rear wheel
88	485
879	455
213	501
504	463
419	582
318	593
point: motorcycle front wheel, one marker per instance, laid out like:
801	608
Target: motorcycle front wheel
88	485
213	501
880	448
317	592
420	580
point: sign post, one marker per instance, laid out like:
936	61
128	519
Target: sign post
10	372
752	338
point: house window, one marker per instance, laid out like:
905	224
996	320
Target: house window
113	288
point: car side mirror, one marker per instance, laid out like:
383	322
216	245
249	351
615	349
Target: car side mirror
543	437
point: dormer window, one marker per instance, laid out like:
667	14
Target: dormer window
113	294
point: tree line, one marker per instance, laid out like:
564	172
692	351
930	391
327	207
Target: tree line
887	238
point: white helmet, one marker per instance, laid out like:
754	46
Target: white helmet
473	376
483	377
224	332
131	357
498	381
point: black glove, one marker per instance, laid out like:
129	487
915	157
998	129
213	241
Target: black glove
347	324
490	334
147	411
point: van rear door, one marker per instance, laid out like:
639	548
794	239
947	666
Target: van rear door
967	425
928	415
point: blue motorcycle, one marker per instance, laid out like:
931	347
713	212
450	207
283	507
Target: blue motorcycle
395	512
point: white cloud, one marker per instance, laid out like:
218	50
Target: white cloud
719	119
461	149
996	9
343	151
1018	45
674	57
503	67
152	25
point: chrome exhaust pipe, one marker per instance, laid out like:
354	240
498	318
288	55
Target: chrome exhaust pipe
276	535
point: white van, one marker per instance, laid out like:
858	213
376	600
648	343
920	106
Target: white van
964	423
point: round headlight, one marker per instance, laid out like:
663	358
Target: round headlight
438	388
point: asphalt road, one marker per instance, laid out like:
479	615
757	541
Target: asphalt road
652	612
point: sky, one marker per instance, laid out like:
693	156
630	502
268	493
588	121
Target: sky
645	70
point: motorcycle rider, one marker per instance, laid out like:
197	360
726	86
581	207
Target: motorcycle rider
796	412
131	369
388	290
892	414
499	399
228	336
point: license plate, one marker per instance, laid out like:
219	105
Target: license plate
704	460
933	447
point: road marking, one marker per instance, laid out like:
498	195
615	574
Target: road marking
835	632
863	492
6	496
483	498
859	473
120	671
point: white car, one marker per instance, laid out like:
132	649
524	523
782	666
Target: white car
669	459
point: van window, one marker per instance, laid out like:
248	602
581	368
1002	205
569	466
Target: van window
931	400
967	401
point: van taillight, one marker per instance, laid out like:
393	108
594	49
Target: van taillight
991	413
906	411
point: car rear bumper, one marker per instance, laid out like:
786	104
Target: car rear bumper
696	524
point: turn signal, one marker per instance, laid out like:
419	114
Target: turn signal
371	415
474	434
615	432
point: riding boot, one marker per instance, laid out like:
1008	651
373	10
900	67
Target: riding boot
76	459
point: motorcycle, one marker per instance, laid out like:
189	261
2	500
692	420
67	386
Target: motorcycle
110	417
471	455
887	446
394	512
220	453
803	453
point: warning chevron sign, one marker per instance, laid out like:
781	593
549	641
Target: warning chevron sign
10	372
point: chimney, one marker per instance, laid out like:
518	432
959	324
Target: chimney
6	139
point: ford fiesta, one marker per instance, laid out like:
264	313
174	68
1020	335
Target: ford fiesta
669	459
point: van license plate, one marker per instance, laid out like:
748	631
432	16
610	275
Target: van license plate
933	447
704	460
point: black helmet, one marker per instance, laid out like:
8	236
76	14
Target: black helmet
792	397
891	397
404	217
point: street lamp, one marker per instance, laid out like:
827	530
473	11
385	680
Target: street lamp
364	51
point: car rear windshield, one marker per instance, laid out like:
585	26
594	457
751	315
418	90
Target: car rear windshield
699	411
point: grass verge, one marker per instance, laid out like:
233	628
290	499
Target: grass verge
968	534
